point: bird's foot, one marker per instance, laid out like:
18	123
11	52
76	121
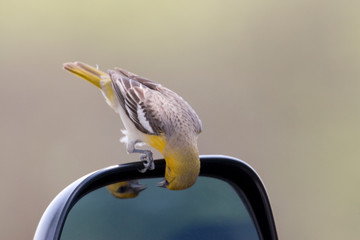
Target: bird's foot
147	160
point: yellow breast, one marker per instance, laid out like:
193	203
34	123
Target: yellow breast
156	141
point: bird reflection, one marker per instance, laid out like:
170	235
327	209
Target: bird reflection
124	190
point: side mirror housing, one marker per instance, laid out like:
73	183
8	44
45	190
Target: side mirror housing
221	178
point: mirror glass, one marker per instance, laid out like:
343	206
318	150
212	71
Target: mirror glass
211	209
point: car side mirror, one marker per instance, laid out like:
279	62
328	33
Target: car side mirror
229	201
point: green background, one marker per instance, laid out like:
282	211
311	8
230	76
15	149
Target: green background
276	83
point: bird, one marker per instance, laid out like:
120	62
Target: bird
126	189
154	115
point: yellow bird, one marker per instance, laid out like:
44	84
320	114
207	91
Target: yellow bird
154	115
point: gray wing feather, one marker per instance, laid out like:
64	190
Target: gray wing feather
153	108
147	82
131	95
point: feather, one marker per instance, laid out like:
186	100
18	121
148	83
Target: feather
153	108
131	94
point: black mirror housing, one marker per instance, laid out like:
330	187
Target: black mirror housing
237	173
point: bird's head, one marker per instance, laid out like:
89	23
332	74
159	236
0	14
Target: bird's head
182	165
128	189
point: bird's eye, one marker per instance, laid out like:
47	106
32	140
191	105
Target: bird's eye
122	189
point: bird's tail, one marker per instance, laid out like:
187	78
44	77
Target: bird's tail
97	77
87	72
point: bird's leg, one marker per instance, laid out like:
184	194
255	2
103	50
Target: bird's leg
145	156
147	159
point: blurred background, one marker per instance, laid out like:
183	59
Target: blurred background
276	84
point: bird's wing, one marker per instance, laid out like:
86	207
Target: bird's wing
191	114
147	82
131	93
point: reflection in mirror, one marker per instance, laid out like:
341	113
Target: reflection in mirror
211	209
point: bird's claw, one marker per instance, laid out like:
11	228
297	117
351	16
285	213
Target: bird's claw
148	161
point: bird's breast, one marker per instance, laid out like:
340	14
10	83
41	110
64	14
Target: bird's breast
156	141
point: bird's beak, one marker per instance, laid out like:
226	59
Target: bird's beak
137	187
164	183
